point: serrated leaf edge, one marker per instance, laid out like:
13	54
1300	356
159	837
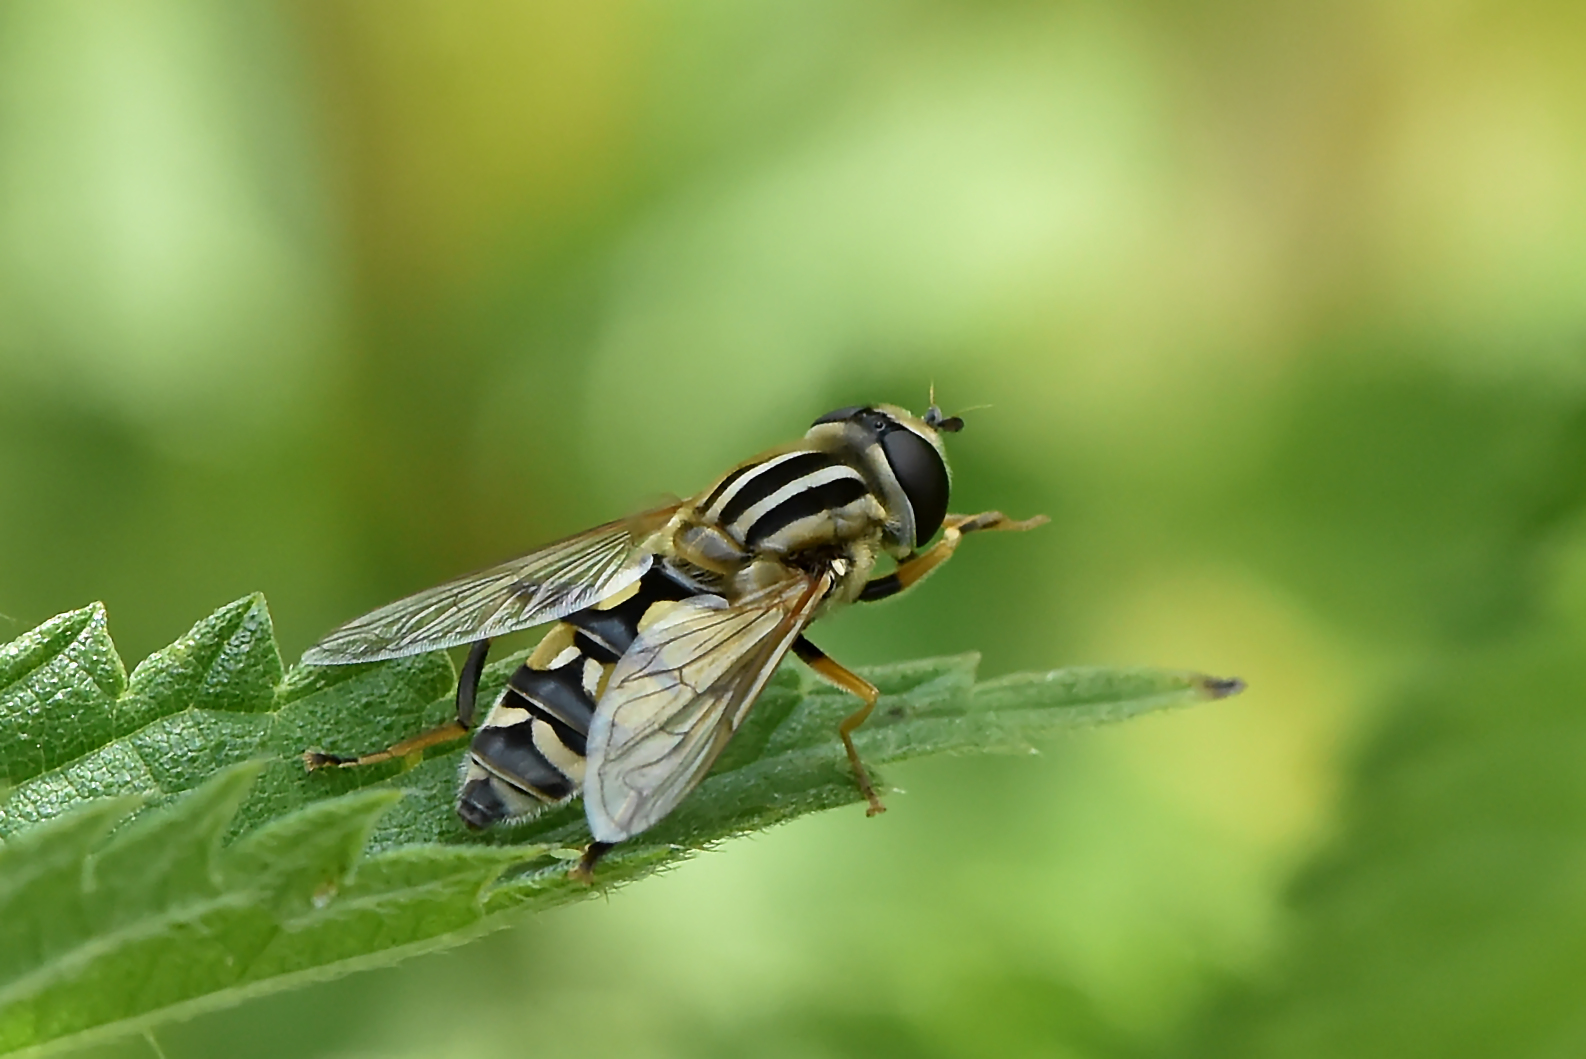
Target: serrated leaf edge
497	898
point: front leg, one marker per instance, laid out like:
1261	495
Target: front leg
913	569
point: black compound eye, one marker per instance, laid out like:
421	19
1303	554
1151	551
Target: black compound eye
840	415
923	476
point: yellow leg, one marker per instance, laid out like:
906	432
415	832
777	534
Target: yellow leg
447	732
852	682
912	570
909	572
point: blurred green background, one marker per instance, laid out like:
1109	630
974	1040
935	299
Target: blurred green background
1280	310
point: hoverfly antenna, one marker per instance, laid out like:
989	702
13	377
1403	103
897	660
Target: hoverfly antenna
954	423
933	416
937	420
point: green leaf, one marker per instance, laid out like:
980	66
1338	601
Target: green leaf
165	852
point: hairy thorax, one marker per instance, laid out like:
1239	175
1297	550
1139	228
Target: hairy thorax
845	545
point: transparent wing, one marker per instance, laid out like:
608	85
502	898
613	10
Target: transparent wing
678	694
551	583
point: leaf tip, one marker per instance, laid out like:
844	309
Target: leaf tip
1219	687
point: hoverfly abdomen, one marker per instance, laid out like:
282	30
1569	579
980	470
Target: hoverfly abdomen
606	630
529	752
563	698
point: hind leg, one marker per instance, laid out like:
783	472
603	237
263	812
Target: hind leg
467	693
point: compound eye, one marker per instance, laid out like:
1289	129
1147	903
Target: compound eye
840	415
919	469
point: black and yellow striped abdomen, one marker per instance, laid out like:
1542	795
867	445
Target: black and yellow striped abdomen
529	752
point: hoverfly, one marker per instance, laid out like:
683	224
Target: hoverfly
669	624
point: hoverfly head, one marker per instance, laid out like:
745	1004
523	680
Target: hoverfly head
910	454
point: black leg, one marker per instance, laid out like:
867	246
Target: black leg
808	653
584	871
881	588
468	682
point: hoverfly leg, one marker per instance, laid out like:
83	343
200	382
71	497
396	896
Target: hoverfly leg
881	588
467	691
994	520
468	682
446	733
584	870
912	569
833	671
